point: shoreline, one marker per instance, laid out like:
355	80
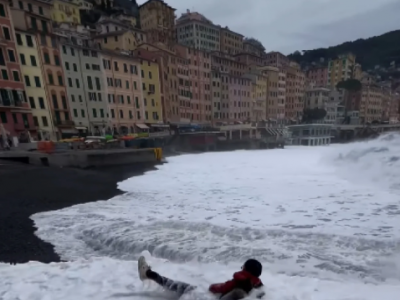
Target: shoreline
28	189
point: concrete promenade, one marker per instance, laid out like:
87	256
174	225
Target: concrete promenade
83	158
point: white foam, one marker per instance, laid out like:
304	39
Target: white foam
107	278
312	226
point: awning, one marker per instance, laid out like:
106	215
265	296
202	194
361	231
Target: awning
142	126
160	125
81	128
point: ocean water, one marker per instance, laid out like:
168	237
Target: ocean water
324	221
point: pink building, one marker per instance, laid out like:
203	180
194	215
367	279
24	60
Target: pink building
318	76
125	107
15	113
199	84
238	107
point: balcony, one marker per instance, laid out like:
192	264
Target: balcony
11	103
63	123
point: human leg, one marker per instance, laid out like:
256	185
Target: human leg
145	272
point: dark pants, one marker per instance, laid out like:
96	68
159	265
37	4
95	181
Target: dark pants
171	285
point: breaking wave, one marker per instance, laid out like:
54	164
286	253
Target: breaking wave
375	161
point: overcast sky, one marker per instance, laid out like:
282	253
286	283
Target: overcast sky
289	25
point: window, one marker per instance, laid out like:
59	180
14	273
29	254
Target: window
44	26
11	55
82	113
75	68
67	66
125	68
75	113
64	49
127	84
56	60
72	98
27	81
60	80
90	84
45	123
3	117
2	10
41	10
72	52
77	83
64	102
142	73
19	40
101	113
30	8
4	74
37	81
16	76
6	33
150	76
94	113
21	5
121	114
112	113
34	23
32	102
35	121
41	103
46	58
55	101
51	79
29	41
116	66
70	82
87	66
22	59
135	85
43	40
33	61
98	86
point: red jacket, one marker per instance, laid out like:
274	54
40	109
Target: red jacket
241	280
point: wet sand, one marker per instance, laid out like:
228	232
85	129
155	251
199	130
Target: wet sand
26	190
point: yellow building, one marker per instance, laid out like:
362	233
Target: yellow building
157	18
117	40
64	11
151	91
34	84
259	93
342	68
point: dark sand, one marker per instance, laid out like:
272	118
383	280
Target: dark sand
26	190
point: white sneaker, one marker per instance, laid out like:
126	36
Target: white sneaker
143	267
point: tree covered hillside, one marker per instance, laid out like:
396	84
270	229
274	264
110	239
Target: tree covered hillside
378	50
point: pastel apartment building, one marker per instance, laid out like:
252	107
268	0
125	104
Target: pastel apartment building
64	11
35	16
157	18
196	31
168	69
239	106
82	67
200	77
15	113
149	71
123	87
231	42
318	76
343	68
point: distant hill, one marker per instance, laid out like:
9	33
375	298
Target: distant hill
378	50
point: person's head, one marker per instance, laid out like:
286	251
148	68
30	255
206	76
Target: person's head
253	266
